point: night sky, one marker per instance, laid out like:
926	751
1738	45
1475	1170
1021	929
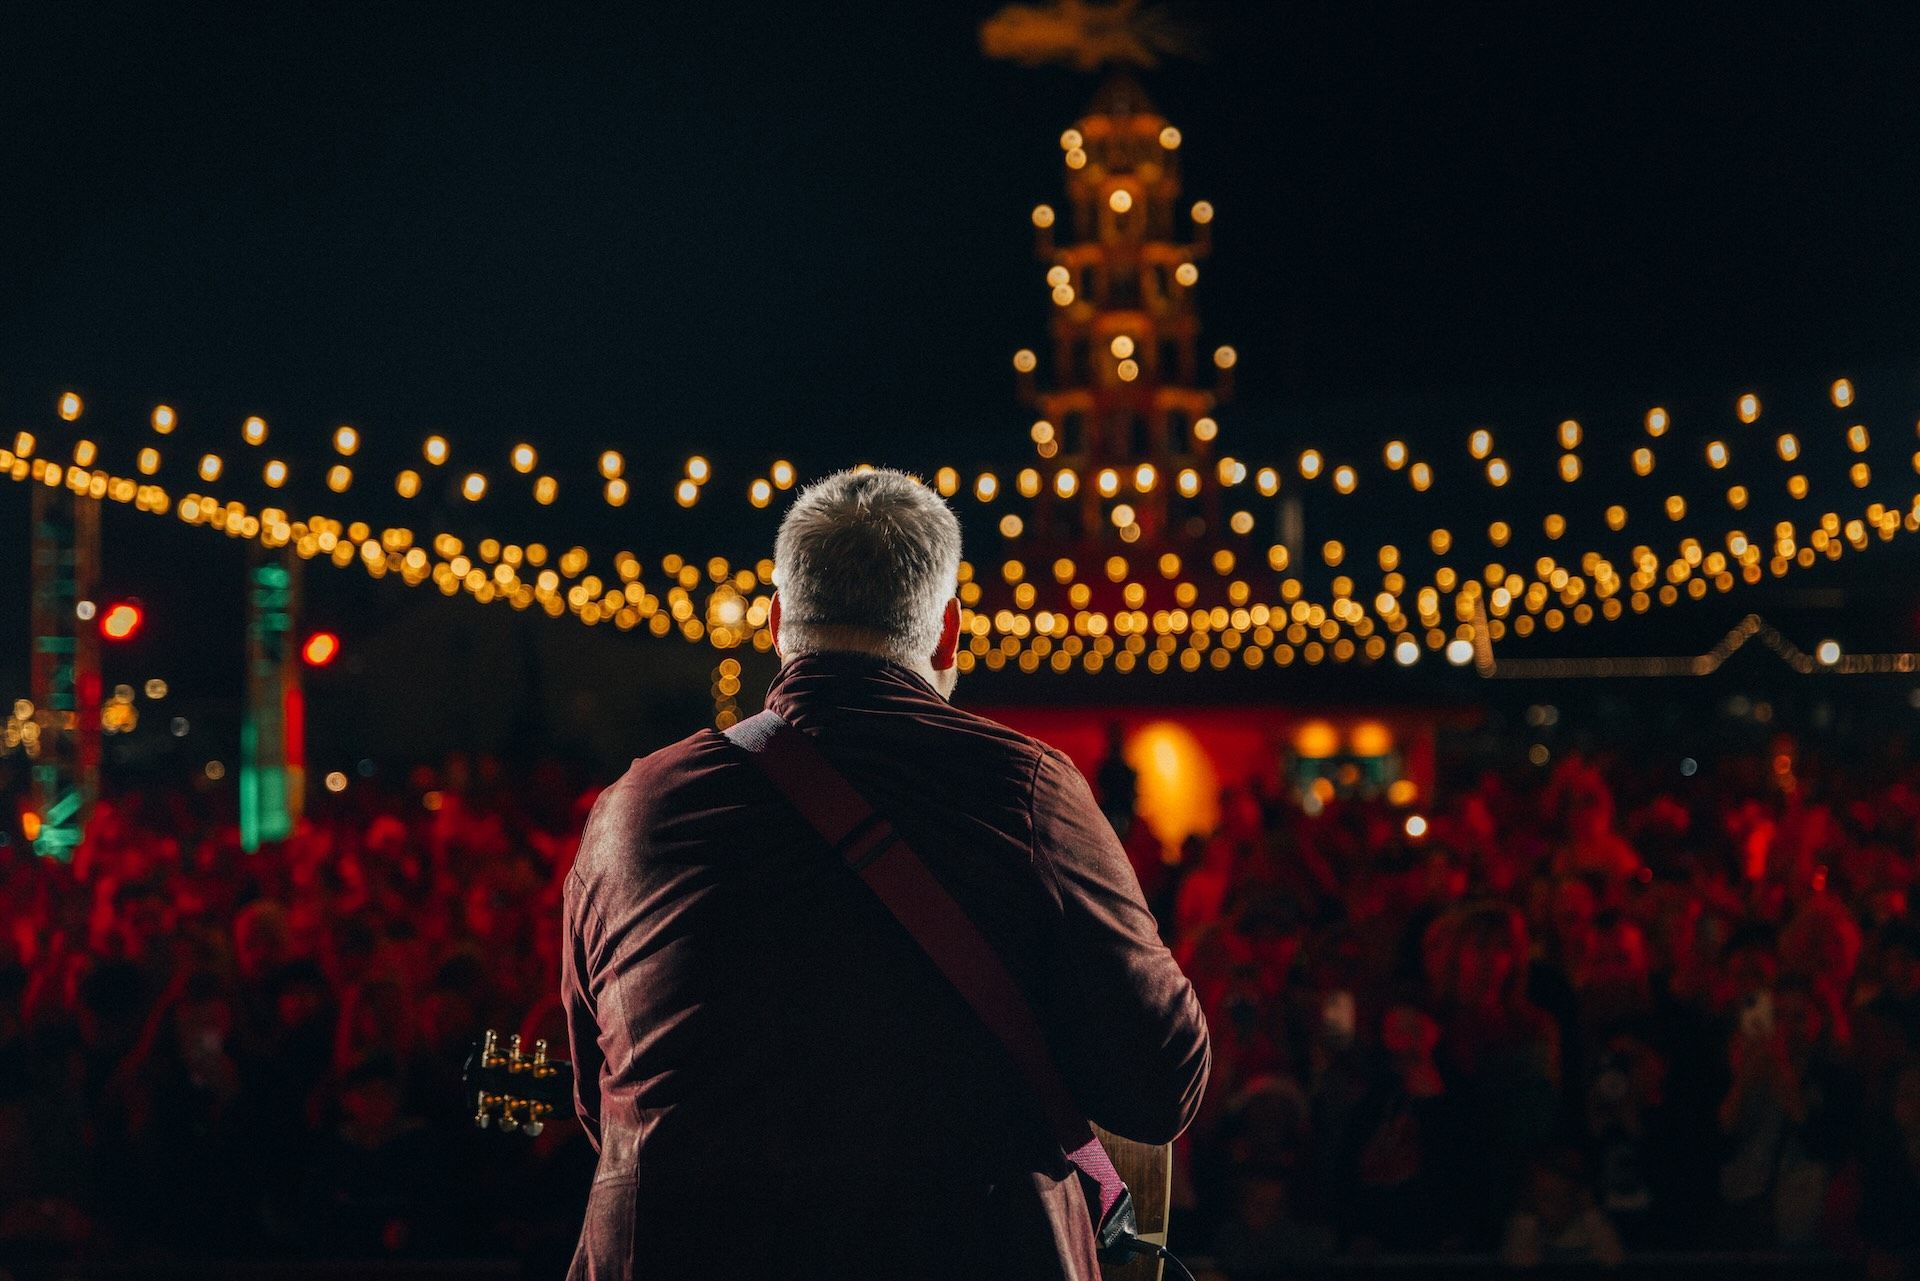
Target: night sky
801	231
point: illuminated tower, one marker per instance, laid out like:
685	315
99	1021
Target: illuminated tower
66	664
1125	423
273	736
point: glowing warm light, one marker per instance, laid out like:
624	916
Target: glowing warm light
616	492
686	493
407	484
1344	479
1145	477
1310	463
1370	738
1716	454
1569	467
782	474
210	467
760	493
1422	476
1188	482
524	458
1076	159
987	487
274	473
1748	407
1569	434
1406	651
321	648
1011	526
1179	790
1063	295
1267	480
1842	393
1789	447
254	430
1066	483
1460	651
1498	472
346	439
545	490
1657	421
1480	443
1205	429
1024	361
1828	652
1043	216
1186	274
1202	212
1170	138
698	470
336	781
612	464
121	621
1225	357
1127	370
435	450
84	452
339	478
1316	740
1415	826
1120	201
474	487
1070	139
70	406
1395	454
1121	346
149	461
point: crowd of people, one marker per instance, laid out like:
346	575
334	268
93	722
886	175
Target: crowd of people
1586	1009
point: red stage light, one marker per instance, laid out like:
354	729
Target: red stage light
121	621
321	648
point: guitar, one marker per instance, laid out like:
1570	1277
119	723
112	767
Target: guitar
518	1092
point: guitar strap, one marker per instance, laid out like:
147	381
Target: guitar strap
904	884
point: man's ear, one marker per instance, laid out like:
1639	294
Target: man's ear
949	636
773	623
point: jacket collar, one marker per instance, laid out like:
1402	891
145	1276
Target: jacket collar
813	686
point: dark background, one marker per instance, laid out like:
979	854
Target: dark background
801	231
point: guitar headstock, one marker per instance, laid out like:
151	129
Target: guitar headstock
514	1090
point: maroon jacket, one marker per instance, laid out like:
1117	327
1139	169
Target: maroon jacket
778	1081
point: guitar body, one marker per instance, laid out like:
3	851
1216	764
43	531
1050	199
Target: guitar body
1147	1170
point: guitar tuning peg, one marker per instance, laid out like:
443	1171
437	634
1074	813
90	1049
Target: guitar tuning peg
513	1050
540	1052
533	1128
480	1115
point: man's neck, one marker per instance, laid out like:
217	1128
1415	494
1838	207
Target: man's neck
942	682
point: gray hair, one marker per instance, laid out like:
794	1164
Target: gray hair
866	560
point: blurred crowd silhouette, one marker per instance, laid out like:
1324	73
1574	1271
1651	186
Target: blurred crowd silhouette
1593	1009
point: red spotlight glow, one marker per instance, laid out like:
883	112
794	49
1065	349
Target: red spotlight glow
121	621
321	648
